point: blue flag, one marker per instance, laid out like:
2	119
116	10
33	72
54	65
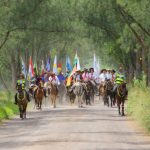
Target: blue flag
68	64
48	65
61	77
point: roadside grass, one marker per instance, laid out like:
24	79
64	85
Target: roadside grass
7	108
138	105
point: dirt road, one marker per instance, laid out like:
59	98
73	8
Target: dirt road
70	128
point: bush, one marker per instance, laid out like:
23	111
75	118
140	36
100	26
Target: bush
7	108
139	105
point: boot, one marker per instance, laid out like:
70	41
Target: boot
15	99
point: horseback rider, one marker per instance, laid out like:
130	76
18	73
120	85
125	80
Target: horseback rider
38	81
21	83
54	79
120	78
85	75
78	76
102	76
91	74
113	76
108	75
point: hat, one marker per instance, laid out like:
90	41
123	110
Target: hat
21	75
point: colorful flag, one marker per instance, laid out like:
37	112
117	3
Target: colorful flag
76	66
23	68
59	67
55	65
35	68
31	69
68	64
48	65
42	68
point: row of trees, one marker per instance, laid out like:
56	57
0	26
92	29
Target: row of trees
117	30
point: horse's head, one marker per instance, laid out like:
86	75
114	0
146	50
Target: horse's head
122	89
109	85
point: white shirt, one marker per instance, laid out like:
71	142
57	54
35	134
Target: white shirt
55	80
92	76
109	76
102	77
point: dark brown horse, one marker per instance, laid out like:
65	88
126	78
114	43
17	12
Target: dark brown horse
71	94
22	102
39	94
121	94
109	92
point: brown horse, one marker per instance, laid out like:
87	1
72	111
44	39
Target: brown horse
53	93
109	92
22	102
121	94
39	94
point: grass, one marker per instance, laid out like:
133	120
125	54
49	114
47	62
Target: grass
7	108
139	106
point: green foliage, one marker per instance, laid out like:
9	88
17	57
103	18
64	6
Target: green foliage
140	83
7	108
138	106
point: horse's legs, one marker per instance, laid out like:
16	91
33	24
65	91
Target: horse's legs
118	104
123	108
54	101
78	102
40	104
20	111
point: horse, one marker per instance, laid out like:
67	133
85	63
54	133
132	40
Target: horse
61	91
109	92
22	102
92	89
121	93
39	94
78	89
53	92
88	93
70	94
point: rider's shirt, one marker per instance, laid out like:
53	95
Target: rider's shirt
119	78
54	80
21	82
85	76
108	76
102	77
92	76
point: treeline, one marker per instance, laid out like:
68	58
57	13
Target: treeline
117	30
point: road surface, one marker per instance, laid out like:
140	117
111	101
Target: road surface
70	128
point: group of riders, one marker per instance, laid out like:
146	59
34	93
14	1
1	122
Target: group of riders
85	76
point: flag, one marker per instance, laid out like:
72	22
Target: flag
31	69
59	67
48	65
42	68
35	68
76	66
55	65
96	66
23	68
68	64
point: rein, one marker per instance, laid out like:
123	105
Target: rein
24	95
119	94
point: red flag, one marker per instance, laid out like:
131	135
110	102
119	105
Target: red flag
31	68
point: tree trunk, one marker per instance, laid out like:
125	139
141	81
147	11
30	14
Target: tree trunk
14	70
138	71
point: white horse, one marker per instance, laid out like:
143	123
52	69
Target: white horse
79	89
